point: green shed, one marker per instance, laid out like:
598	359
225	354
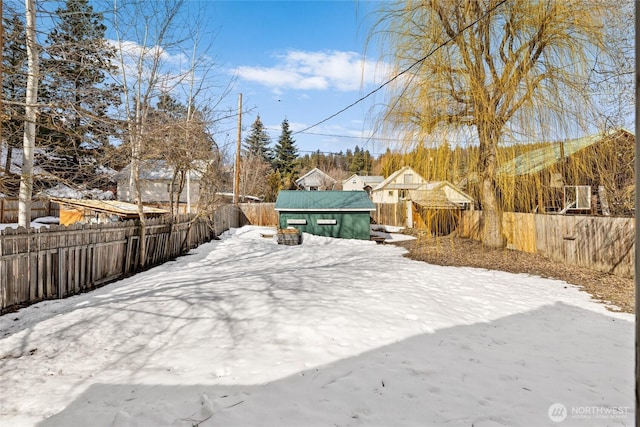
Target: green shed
343	214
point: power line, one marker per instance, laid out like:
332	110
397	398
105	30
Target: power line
406	70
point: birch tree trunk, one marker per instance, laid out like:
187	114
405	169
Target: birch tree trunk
26	179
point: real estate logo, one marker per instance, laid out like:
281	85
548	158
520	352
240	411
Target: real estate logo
557	412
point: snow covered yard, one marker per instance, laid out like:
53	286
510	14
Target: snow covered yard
244	332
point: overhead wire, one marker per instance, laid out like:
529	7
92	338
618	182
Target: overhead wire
406	70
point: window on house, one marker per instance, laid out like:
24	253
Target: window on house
402	194
408	178
391	193
313	188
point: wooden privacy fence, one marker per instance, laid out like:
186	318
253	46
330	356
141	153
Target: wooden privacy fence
604	244
390	214
258	214
56	262
39	208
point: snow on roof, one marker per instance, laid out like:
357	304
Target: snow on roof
65	192
159	170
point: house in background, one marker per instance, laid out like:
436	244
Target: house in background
316	180
342	214
100	211
406	198
593	175
397	186
155	183
361	182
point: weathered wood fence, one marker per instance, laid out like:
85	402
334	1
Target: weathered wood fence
59	261
39	208
604	244
390	214
258	214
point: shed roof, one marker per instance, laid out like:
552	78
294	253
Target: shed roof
542	158
115	207
366	179
290	200
433	195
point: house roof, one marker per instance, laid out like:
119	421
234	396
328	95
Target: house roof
433	195
115	207
386	184
542	158
367	179
314	171
159	170
291	200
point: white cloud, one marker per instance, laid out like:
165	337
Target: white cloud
342	71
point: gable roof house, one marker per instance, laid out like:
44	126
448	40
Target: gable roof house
397	186
316	180
155	183
361	182
433	206
592	174
342	214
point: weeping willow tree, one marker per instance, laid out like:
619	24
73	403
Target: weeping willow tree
483	73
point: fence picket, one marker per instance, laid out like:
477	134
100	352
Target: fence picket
61	261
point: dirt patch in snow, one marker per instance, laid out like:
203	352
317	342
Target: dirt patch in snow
454	251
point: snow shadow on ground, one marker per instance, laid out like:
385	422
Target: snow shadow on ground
507	372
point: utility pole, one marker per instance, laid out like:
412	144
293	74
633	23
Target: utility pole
1	73
637	215
236	181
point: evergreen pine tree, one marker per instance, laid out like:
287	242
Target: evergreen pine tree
256	144
14	83
286	151
76	66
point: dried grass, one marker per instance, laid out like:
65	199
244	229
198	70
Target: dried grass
618	293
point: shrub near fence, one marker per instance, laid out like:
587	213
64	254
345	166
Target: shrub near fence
57	262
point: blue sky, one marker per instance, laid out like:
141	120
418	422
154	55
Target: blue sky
300	60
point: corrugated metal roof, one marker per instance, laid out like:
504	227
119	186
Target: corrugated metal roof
289	200
537	160
111	206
